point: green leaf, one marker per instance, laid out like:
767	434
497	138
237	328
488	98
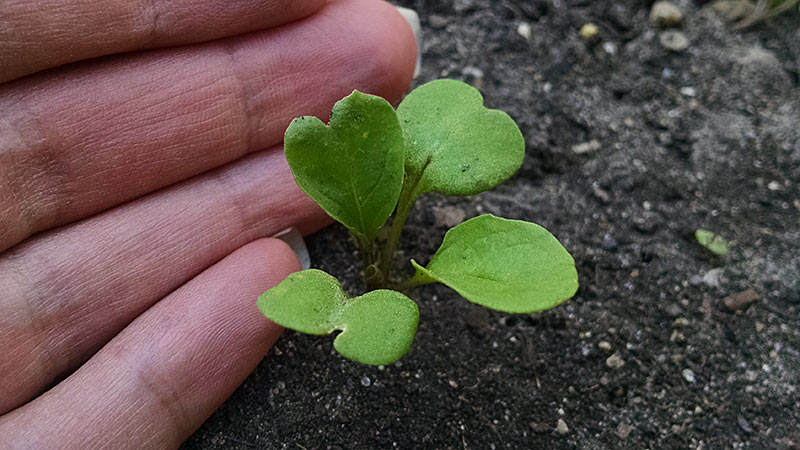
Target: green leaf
459	146
353	168
507	265
309	301
377	327
712	241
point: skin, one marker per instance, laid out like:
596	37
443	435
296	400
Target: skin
141	175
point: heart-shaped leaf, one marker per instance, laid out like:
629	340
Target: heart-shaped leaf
507	265
377	328
459	146
353	168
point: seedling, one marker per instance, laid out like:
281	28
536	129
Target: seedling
373	161
756	11
713	242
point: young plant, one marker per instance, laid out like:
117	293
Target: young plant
373	161
712	241
756	11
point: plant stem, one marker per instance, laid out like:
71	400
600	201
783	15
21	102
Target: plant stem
417	280
408	195
366	250
403	208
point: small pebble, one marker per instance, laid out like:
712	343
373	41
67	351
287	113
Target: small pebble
589	31
604	345
689	91
677	336
665	14
744	425
438	21
674	40
538	427
688	375
774	186
680	322
524	29
472	71
453	384
714	277
614	361
740	300
674	310
623	430
609	243
448	216
476	74
603	196
586	147
366	381
561	427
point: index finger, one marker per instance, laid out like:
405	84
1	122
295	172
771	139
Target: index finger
36	35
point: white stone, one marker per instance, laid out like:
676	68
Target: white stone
561	427
586	147
524	29
614	361
665	14
673	40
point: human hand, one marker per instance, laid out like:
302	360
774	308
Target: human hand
136	190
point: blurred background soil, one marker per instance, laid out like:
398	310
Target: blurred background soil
634	141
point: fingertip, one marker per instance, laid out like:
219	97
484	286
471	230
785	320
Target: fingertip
382	40
258	267
272	259
397	50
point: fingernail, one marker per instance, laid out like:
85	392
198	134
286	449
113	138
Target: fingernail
294	239
412	18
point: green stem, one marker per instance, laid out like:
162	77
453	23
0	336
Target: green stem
404	204
408	195
366	251
418	279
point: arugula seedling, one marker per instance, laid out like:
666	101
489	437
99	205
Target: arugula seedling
712	241
373	161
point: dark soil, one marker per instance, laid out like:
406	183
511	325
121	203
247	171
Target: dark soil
646	355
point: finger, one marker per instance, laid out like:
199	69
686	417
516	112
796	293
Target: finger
80	141
68	292
47	33
158	380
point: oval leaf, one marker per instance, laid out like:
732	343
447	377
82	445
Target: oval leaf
353	168
507	265
459	146
309	301
379	327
